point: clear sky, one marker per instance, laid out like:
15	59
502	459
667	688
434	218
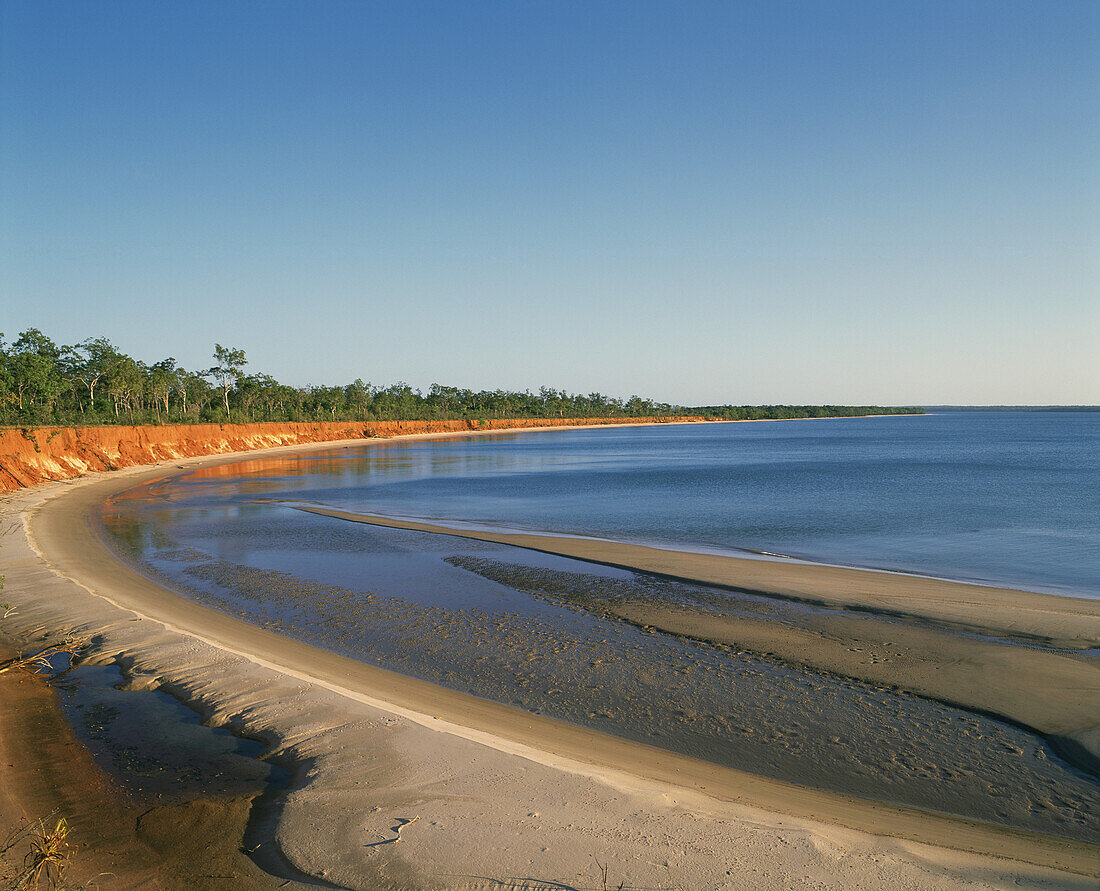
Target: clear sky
891	202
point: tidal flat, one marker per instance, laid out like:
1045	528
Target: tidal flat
549	635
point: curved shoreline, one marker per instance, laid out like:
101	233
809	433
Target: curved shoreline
61	533
450	525
1061	622
31	456
896	631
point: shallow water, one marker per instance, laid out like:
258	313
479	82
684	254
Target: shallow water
998	497
955	496
155	747
526	629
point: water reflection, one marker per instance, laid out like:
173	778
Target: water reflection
1002	498
527	629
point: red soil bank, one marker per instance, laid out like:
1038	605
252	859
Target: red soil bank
29	456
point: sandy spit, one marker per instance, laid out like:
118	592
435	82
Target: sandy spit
999	651
402	784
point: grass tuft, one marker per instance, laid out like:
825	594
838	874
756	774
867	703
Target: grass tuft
45	862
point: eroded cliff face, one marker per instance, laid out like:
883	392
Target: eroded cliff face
29	456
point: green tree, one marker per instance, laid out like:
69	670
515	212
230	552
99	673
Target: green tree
40	383
164	379
258	389
227	371
359	395
88	363
194	393
36	370
125	384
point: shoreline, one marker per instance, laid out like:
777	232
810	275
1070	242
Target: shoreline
448	526
50	774
30	456
1061	622
442	720
964	645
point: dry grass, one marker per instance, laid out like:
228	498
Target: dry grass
602	867
48	851
45	862
40	661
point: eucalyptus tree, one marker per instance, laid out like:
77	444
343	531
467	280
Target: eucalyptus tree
290	399
442	399
397	402
360	395
40	383
181	389
126	384
258	389
36	372
227	371
194	392
163	380
247	395
88	363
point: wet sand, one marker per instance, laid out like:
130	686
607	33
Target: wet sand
114	841
375	749
474	617
999	651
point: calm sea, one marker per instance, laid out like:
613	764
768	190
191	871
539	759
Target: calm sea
1000	498
1008	498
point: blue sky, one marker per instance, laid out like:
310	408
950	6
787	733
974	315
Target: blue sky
700	202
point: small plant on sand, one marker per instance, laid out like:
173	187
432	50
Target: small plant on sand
602	867
47	858
40	661
6	609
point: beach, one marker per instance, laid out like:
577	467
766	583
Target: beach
401	783
393	493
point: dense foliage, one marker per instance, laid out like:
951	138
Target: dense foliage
91	382
788	412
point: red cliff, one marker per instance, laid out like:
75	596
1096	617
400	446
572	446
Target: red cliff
29	456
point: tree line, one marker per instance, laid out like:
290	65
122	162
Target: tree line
93	382
791	412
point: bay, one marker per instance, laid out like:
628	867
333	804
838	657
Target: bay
1004	498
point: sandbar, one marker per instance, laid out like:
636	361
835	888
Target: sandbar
999	651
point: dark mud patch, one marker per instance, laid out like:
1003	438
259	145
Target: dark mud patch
156	747
706	700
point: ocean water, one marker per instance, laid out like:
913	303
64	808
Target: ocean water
1006	498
